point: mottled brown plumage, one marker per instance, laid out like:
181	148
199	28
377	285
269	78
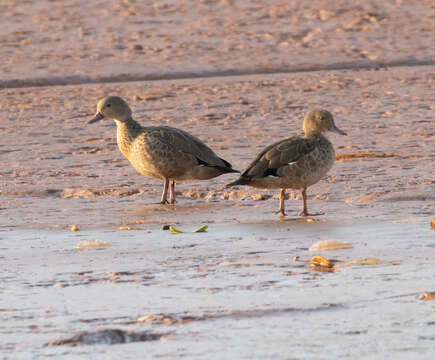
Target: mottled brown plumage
161	152
294	163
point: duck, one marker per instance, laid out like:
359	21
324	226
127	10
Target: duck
296	162
161	152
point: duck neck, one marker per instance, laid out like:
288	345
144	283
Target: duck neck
127	130
319	137
314	134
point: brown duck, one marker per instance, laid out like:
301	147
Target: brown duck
161	152
294	163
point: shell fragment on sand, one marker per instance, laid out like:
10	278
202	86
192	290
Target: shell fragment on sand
324	245
427	295
91	244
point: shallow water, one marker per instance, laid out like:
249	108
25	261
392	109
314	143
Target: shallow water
232	292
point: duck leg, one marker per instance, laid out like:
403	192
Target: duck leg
304	202
281	211
304	205
172	192
165	191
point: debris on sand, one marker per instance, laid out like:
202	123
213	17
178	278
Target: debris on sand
91	244
318	263
169	319
427	295
372	261
106	337
369	261
340	157
125	227
329	245
321	261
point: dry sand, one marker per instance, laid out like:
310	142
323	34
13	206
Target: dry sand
79	39
239	75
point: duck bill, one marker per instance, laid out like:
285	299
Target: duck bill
98	116
337	130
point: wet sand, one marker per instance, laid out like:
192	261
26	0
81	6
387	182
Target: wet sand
58	170
239	75
233	292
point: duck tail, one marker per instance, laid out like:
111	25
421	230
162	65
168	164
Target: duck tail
230	170
228	167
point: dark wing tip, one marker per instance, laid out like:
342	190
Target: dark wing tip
227	164
227	168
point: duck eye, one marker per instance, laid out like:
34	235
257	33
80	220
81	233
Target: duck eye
108	105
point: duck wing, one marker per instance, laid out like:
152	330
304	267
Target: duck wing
177	140
281	153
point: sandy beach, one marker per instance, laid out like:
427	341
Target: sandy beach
239	75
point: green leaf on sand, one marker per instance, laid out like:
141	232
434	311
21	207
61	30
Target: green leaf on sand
202	229
174	230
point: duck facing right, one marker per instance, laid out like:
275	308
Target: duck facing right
294	163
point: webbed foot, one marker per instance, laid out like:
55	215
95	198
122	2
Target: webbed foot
305	214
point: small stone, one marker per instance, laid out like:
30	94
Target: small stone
137	47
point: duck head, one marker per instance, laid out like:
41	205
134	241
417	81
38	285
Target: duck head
317	121
112	107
